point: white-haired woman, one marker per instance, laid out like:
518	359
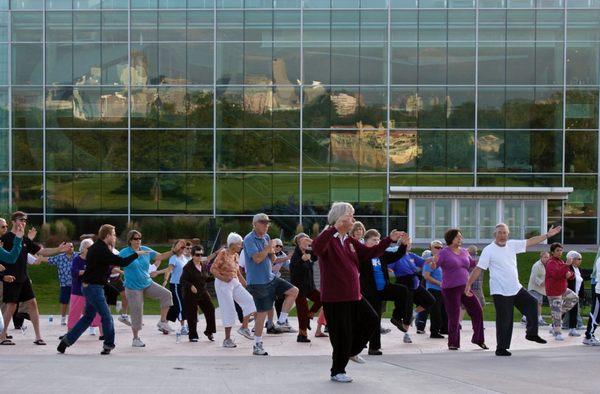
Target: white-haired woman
230	288
350	318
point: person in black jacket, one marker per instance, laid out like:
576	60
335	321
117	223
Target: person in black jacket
302	276
193	280
99	258
376	287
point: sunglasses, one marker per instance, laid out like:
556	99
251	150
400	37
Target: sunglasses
5	226
278	246
198	254
136	239
437	247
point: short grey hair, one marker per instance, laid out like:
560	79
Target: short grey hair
573	255
234	238
501	225
86	243
338	209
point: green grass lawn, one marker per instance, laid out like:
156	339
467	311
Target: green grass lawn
45	284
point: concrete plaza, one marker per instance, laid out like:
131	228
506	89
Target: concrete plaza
164	365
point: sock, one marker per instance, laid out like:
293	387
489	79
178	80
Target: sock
282	318
257	339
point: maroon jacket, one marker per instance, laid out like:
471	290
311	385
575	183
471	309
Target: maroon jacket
339	264
556	277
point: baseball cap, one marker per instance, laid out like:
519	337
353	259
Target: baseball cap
260	217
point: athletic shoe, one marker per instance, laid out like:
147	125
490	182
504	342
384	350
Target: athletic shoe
591	341
125	320
283	327
302	339
92	331
185	330
358	359
164	327
573	333
341	378
245	333
559	337
543	323
420	331
193	339
228	343
137	342
105	352
63	321
406	338
503	352
375	352
523	319
437	336
258	350
384	331
398	324
272	329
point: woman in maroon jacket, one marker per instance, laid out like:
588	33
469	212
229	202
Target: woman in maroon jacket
350	318
560	298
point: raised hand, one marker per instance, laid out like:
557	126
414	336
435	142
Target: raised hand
395	235
65	246
32	233
553	231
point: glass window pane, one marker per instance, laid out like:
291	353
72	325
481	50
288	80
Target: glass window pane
199	193
491	107
583	64
513	217
404	62
27	192
583	200
317	63
172	63
443	217
317	106
87	62
27	150
461	63
404	25
200	63
520	63
144	26
405	105
172	107
27	26
487	218
200	107
286	150
582	108
59	26
423	219
114	26
580	231
200	26
403	150
86	26
230	63
59	64
581	151
467	218
114	64
171	26
27	67
549	63
258	63
315	194
533	218
27	107
492	71
4	192
230	25
432	63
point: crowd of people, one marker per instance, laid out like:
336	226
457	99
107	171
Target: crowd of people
355	283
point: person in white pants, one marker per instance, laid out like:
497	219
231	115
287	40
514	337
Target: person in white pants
230	287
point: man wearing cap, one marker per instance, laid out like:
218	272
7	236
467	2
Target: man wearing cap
20	289
263	285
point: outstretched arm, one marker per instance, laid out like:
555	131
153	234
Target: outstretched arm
541	238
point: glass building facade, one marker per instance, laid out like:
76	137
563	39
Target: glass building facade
132	110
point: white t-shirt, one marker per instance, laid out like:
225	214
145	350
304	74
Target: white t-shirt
578	279
502	263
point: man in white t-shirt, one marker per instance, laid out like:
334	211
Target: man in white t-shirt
500	257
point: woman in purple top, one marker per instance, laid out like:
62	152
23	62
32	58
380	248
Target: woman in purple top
455	263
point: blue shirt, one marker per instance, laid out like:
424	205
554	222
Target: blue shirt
261	273
435	274
136	273
408	265
63	264
378	274
177	262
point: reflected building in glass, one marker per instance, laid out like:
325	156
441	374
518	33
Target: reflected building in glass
424	114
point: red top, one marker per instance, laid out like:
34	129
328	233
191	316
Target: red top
339	264
556	277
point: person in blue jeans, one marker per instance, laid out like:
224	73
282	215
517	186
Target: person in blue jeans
99	258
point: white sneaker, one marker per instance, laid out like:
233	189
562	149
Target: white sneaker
573	333
258	350
185	330
559	337
341	378
245	333
92	331
228	343
63	321
137	342
125	320
591	342
523	319
283	327
358	359
164	326
406	338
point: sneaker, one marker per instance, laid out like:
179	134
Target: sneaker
523	320
341	378
245	333
535	338
384	331
194	340
62	346
228	343
272	329
591	341
125	320
258	350
406	338
63	321
137	342
420	331
502	352
398	324
375	352
105	352
185	330
437	336
559	337
283	327
573	333
92	331
358	359
164	327
302	338
543	323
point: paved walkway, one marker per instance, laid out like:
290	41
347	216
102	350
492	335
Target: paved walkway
424	366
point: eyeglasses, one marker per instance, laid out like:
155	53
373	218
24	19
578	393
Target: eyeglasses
278	246
264	222
198	254
136	239
5	226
